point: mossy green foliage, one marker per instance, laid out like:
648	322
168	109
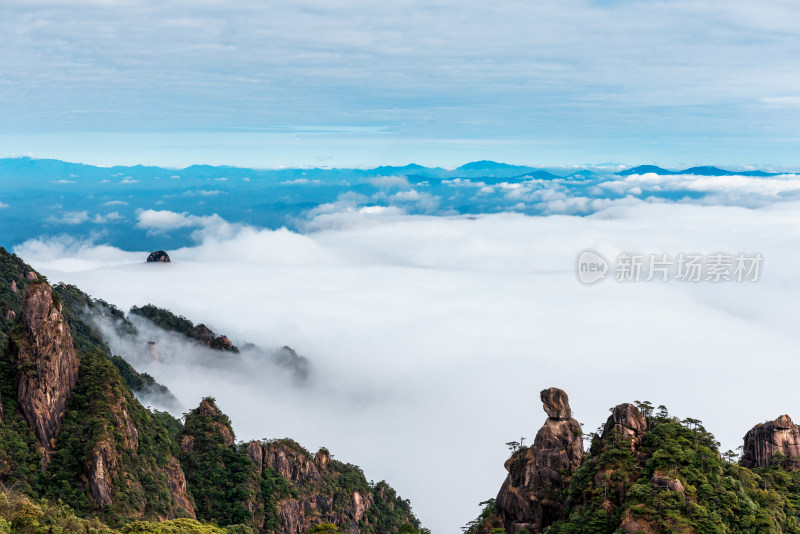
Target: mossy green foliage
19	514
220	476
96	413
19	461
164	319
177	323
390	513
340	480
182	526
487	521
12	270
323	528
145	385
273	488
719	496
74	304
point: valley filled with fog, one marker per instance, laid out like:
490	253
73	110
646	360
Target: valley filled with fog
430	337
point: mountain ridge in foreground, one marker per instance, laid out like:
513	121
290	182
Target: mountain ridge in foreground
646	472
79	452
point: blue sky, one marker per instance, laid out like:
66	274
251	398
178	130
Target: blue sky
362	83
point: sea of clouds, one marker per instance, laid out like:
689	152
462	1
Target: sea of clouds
430	337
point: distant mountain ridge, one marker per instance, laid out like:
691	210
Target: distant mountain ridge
59	169
47	197
705	170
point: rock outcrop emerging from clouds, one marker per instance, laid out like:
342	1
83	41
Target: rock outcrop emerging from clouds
533	494
159	256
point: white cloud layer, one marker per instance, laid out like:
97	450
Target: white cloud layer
432	336
725	190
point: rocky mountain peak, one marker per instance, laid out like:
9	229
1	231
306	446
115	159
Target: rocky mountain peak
158	256
627	421
47	361
208	407
764	441
322	459
219	422
533	494
556	404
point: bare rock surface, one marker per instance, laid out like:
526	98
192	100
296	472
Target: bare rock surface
159	256
48	364
556	404
764	441
176	481
532	495
628	423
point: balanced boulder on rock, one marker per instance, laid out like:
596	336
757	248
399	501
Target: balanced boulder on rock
533	495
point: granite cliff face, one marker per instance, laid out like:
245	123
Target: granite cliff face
278	486
647	472
764	441
176	480
48	364
532	496
317	503
627	423
207	337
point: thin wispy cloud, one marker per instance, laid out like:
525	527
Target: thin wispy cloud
69	217
360	80
162	221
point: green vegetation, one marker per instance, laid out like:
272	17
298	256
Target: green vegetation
675	481
12	273
389	510
182	526
19	460
718	496
177	323
21	515
219	473
75	303
165	319
488	520
323	528
144	384
101	413
112	449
